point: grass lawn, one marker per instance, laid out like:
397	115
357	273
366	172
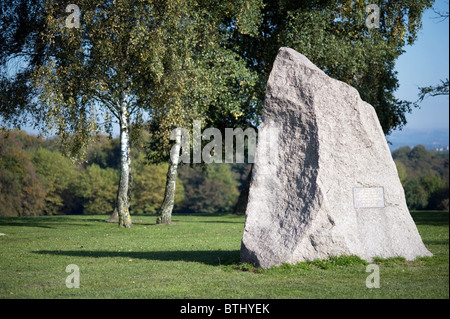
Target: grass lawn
197	257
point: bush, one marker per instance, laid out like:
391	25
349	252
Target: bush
96	189
416	195
21	192
424	175
149	186
439	199
210	190
56	173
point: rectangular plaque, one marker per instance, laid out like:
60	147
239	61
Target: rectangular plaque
368	197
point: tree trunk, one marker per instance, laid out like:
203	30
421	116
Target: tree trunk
114	218
125	165
165	212
241	205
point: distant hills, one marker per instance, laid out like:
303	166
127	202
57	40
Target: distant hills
431	139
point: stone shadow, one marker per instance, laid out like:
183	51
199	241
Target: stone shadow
208	257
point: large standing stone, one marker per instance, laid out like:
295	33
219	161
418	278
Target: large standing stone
332	189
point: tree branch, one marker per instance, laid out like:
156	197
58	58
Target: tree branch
441	89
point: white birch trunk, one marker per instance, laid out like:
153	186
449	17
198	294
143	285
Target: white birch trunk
125	165
165	212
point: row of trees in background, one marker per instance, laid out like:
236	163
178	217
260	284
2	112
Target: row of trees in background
425	177
36	179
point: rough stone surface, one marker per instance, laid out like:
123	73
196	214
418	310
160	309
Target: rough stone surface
302	203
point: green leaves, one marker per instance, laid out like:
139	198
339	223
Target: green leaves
21	192
204	79
213	190
56	173
97	189
170	56
148	187
334	36
424	176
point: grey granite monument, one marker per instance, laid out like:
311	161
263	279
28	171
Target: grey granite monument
332	187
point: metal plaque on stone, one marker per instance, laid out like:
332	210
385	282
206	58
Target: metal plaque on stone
368	197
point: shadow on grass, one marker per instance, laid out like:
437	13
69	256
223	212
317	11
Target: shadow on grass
216	222
22	224
48	221
208	257
435	242
432	218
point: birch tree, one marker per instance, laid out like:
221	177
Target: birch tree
113	61
103	67
219	93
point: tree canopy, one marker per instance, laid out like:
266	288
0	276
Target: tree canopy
335	37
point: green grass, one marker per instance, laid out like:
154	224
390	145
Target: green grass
197	257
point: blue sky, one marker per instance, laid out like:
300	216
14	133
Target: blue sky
424	64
